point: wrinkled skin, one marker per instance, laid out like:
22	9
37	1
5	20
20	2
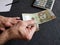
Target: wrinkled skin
7	22
18	30
23	30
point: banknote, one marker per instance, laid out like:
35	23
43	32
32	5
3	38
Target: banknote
28	16
39	17
45	4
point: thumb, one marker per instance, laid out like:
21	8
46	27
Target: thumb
30	22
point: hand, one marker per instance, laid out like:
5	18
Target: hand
22	30
7	22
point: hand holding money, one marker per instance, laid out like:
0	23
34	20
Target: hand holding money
39	17
23	30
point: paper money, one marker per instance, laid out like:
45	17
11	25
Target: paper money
39	17
45	4
27	16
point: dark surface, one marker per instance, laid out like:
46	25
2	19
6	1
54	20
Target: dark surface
49	33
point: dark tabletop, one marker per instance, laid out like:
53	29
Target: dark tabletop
49	33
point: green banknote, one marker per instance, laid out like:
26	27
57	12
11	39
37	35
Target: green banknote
39	17
45	4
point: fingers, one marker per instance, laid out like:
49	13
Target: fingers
8	24
30	31
26	23
17	18
21	29
30	22
2	29
34	27
12	21
8	21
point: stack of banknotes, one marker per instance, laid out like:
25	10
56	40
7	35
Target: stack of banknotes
42	16
45	4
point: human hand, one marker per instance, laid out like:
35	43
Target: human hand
7	22
23	30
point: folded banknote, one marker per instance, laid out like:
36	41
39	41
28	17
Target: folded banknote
45	4
39	17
